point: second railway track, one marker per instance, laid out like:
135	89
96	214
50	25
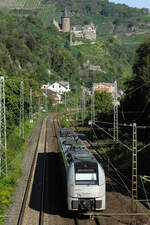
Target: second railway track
46	199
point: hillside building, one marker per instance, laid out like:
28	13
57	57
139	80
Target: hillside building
65	21
87	31
109	88
57	89
102	86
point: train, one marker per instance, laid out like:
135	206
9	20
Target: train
86	189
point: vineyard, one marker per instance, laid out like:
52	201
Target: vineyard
19	4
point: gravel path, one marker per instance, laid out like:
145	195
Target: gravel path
13	212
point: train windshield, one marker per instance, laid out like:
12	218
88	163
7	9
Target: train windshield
86	177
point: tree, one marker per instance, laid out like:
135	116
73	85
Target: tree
102	105
137	94
103	102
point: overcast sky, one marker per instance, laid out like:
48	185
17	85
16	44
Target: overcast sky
134	3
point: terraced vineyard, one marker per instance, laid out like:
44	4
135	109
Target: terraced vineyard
11	4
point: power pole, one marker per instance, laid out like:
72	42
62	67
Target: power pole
39	105
30	108
3	141
77	114
115	113
83	106
134	165
21	124
65	100
92	106
46	108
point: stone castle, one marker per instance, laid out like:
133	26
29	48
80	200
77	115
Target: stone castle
87	31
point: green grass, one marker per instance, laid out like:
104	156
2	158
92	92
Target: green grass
91	52
16	148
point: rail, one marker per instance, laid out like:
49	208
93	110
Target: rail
22	210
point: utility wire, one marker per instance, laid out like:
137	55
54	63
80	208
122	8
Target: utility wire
115	169
131	92
145	192
112	136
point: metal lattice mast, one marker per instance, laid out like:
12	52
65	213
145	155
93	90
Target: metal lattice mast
92	106
83	106
65	100
134	164
77	114
46	108
30	108
21	125
3	142
39	105
115	113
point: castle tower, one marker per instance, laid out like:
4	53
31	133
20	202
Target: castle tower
65	21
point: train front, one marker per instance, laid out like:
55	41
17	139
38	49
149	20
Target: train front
86	186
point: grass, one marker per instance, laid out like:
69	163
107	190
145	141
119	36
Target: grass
16	148
134	40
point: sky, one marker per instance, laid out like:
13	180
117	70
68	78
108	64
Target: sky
134	3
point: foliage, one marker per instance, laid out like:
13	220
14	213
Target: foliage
15	148
103	106
103	102
137	95
64	122
108	17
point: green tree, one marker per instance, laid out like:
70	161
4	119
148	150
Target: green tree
103	105
137	94
103	102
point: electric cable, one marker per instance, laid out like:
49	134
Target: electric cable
115	169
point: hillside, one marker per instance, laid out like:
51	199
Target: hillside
117	20
32	50
109	18
120	29
130	25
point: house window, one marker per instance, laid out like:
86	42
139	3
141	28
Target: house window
53	86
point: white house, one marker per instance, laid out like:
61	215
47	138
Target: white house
57	89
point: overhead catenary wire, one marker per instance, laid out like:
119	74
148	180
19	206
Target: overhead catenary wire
145	192
115	169
131	92
111	136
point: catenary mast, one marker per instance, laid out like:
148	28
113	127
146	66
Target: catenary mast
3	142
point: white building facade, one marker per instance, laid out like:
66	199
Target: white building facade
57	89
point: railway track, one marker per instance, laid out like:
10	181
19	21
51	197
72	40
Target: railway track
26	213
45	203
119	203
30	213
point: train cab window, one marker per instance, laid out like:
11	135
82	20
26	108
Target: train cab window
86	177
